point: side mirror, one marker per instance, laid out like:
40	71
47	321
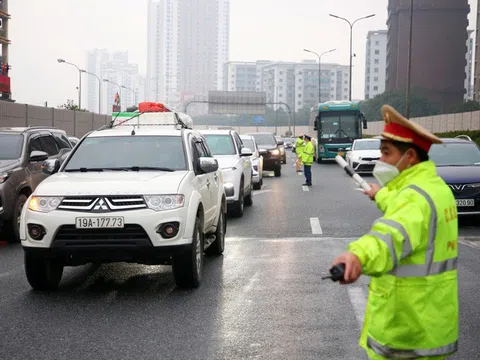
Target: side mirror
63	151
207	165
246	152
262	151
364	121
51	167
280	142
348	149
315	124
37	156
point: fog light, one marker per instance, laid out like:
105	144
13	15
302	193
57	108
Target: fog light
36	232
169	230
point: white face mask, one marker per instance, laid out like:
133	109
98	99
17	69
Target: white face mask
384	173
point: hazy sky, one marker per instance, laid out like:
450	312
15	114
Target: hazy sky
42	31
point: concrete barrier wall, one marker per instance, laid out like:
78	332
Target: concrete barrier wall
75	123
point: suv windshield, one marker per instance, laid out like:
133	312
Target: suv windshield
367	145
265	139
10	146
221	144
455	154
129	151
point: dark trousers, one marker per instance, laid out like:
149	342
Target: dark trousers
307	170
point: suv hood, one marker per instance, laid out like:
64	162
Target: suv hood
226	161
459	174
111	183
267	147
367	153
8	164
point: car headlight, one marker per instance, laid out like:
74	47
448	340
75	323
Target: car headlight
44	203
4	177
356	158
164	202
275	152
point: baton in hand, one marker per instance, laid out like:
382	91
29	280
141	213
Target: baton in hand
348	169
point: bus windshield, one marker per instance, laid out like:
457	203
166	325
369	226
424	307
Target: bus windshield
340	125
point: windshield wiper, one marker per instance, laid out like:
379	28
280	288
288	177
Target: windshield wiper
153	168
84	169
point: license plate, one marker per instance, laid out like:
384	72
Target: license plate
340	153
99	223
372	163
465	202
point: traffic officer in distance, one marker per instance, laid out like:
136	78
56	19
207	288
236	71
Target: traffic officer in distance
307	159
299	146
410	253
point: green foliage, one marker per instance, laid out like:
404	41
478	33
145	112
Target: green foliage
467	106
70	105
420	105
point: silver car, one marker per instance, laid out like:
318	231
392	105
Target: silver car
363	155
257	161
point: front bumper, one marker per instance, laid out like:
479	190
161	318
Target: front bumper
7	201
364	166
468	201
140	231
271	163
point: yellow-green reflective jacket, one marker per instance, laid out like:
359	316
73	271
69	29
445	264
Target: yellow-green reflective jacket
411	255
299	146
307	154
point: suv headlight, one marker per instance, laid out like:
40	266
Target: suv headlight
275	152
164	202
3	177
44	203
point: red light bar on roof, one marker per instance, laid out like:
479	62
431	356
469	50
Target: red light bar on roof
150	107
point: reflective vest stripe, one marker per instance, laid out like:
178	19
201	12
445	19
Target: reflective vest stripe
430	267
410	354
407	245
387	239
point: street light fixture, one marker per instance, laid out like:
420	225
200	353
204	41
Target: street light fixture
99	89
119	90
319	70
134	92
351	45
61	61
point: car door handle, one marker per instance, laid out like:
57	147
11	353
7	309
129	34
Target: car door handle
208	183
215	177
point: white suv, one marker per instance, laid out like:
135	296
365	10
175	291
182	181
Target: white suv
234	161
139	194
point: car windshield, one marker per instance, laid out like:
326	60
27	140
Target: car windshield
340	125
367	145
455	154
221	144
265	139
10	146
248	143
129	151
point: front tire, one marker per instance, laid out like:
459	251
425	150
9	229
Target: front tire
238	206
218	246
278	171
42	274
188	267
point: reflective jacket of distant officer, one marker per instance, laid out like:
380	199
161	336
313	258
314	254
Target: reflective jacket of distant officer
299	146
308	153
410	252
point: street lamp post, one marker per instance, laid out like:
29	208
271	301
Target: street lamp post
351	45
61	61
319	71
99	89
409	68
134	93
119	90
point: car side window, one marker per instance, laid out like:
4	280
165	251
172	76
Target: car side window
206	148
62	141
49	144
34	145
238	142
201	152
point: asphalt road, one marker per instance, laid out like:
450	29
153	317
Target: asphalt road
263	299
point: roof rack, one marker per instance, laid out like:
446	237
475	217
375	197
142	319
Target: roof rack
464	137
150	114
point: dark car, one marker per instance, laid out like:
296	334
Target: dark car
269	148
22	153
458	163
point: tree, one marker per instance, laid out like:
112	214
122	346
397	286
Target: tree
467	106
420	104
70	105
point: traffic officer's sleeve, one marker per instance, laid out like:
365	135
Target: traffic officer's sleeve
382	198
396	235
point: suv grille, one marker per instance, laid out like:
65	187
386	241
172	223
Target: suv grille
129	235
464	190
102	203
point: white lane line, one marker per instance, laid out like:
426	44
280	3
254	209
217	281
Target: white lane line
469	243
358	299
305	188
259	192
298	239
316	228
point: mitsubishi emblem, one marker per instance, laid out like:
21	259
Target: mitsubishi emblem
101	205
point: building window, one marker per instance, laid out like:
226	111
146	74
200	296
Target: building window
375	70
375	79
375	88
377	42
376	61
377	52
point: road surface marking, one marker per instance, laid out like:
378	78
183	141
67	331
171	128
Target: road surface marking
305	188
258	192
469	243
358	299
297	239
316	228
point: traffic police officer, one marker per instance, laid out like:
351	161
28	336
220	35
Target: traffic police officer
410	252
299	146
307	159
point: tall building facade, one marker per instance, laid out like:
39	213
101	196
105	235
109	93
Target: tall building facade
375	63
469	67
476	80
438	48
123	78
5	86
188	45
